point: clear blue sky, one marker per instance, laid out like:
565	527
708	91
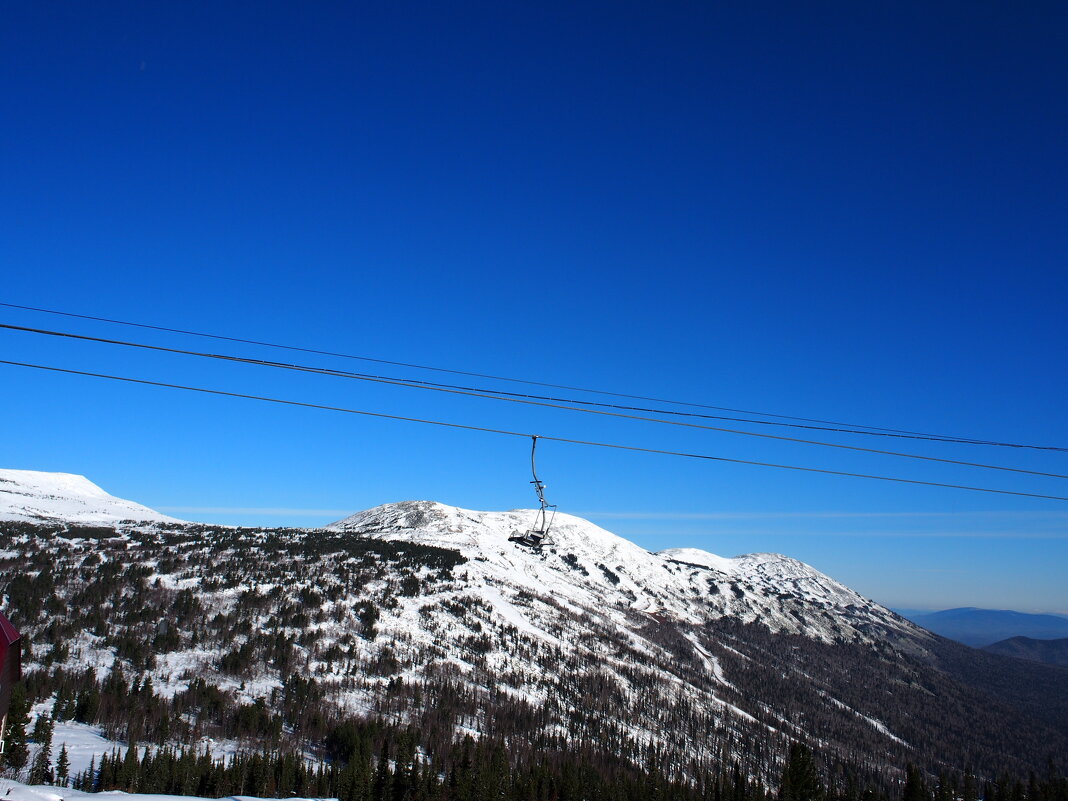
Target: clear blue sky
837	210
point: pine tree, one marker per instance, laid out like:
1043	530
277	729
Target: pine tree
62	766
41	769
915	786
59	705
16	751
130	770
945	790
969	792
383	782
89	784
42	729
800	782
87	704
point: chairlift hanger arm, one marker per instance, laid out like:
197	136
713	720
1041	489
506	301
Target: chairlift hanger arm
536	535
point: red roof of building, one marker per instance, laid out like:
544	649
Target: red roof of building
10	659
9	635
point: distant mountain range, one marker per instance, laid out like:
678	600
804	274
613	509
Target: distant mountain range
982	627
1052	652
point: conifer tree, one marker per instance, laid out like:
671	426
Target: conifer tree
383	782
969	792
130	770
41	769
62	766
1033	793
16	750
915	786
800	782
89	781
42	728
59	704
945	790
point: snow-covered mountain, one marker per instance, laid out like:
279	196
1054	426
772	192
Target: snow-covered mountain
32	496
586	567
419	612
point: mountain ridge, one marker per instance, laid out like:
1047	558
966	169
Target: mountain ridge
607	570
418	611
32	496
1050	652
980	627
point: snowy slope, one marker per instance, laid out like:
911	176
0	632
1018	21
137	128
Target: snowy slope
17	791
86	744
588	567
590	637
31	496
657	628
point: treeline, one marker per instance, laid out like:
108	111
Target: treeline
947	787
371	760
361	759
385	763
471	771
801	781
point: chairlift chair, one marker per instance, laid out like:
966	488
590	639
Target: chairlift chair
535	536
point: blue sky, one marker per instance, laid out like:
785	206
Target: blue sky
823	210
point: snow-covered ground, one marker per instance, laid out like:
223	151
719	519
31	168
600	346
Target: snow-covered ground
16	791
86	744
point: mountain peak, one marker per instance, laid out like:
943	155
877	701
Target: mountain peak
582	564
479	533
34	496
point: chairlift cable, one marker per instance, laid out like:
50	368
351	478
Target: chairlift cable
488	395
505	432
849	428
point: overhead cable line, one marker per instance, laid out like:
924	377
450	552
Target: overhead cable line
472	392
590	443
848	428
